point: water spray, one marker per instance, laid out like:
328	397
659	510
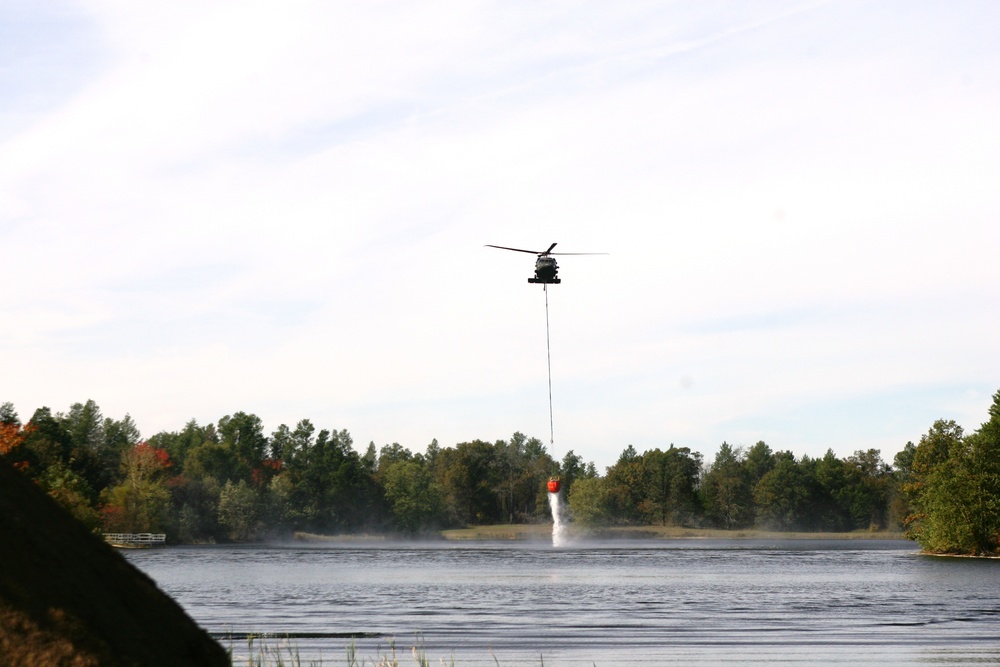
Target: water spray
555	484
558	523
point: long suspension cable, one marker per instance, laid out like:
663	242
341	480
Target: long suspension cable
548	353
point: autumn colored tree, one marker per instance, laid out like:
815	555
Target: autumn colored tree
11	432
41	450
179	444
11	438
141	501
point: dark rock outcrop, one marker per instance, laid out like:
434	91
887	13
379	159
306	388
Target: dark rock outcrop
67	598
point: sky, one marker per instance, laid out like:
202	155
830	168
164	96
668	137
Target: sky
282	208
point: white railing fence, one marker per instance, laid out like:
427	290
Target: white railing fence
138	539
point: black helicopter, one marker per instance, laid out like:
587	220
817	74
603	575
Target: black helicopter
546	269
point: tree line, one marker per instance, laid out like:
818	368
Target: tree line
231	481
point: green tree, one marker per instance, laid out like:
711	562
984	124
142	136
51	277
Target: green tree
72	492
510	463
302	439
725	490
759	461
280	443
392	454
589	502
571	469
85	425
831	503
118	436
332	489
280	516
285	443
623	486
8	415
240	511
468	478
369	460
46	442
215	460
414	498
955	488
669	479
902	477
781	495
520	469
243	435
866	495
195	509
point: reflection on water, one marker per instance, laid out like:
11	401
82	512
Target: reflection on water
689	602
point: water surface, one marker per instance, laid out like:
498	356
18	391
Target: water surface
688	602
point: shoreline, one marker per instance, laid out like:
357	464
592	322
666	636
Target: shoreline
543	531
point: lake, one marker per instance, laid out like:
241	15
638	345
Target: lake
609	603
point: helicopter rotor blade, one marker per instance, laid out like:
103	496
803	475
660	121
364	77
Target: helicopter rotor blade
543	253
503	247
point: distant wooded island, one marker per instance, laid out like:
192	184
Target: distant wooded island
229	481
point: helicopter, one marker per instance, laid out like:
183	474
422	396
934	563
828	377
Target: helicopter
546	268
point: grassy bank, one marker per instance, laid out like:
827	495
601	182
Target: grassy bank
544	532
343	537
281	653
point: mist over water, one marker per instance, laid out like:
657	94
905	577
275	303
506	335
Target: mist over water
594	602
558	520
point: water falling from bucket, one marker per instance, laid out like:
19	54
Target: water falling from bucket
558	522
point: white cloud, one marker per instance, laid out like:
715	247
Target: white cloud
282	210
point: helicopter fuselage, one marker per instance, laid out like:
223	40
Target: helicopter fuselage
546	271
